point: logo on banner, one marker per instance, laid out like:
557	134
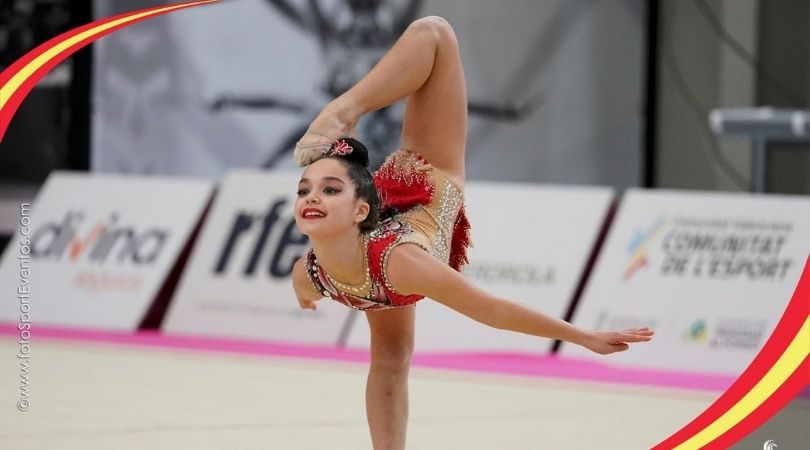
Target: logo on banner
739	334
742	334
107	242
105	255
712	248
512	273
697	333
726	249
608	320
639	245
262	233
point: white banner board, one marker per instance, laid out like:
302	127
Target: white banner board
238	281
100	247
531	245
711	272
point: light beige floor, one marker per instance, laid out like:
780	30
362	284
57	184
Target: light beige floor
110	397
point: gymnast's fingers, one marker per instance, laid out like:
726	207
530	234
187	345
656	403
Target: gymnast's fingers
631	337
307	304
640	331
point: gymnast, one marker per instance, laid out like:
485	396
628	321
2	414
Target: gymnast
381	242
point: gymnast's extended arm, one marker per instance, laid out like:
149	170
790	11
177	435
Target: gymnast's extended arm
411	270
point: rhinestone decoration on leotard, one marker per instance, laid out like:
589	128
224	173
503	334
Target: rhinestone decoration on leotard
375	300
404	165
400	230
312	273
363	288
448	210
403	182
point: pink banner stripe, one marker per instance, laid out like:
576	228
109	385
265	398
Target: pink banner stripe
494	363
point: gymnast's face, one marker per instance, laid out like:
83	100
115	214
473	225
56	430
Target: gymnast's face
326	204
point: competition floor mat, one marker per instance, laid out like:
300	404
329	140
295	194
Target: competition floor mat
96	394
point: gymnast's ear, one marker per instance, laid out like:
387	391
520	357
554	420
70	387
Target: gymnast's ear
361	211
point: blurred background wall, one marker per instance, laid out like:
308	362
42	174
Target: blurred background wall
555	93
713	54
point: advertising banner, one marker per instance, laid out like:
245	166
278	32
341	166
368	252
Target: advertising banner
97	248
712	273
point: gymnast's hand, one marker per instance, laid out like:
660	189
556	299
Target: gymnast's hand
307	304
605	342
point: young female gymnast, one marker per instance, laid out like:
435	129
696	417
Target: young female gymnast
359	223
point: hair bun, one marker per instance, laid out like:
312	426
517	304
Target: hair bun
359	153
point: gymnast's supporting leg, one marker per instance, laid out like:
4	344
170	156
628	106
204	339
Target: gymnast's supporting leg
392	342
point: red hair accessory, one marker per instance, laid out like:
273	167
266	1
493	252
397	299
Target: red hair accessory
339	148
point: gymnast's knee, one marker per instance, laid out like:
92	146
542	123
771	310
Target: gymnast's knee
394	359
437	25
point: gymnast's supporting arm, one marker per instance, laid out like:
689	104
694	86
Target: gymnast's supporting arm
305	292
411	270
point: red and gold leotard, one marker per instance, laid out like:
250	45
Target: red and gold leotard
424	207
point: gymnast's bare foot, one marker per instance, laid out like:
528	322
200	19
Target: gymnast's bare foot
338	119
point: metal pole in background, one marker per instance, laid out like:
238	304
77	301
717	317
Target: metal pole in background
762	126
759	166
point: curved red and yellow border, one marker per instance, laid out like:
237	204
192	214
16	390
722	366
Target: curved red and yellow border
777	374
20	77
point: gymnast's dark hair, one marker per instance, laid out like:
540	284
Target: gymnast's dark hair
356	164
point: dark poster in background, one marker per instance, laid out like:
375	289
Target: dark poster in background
37	140
555	88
